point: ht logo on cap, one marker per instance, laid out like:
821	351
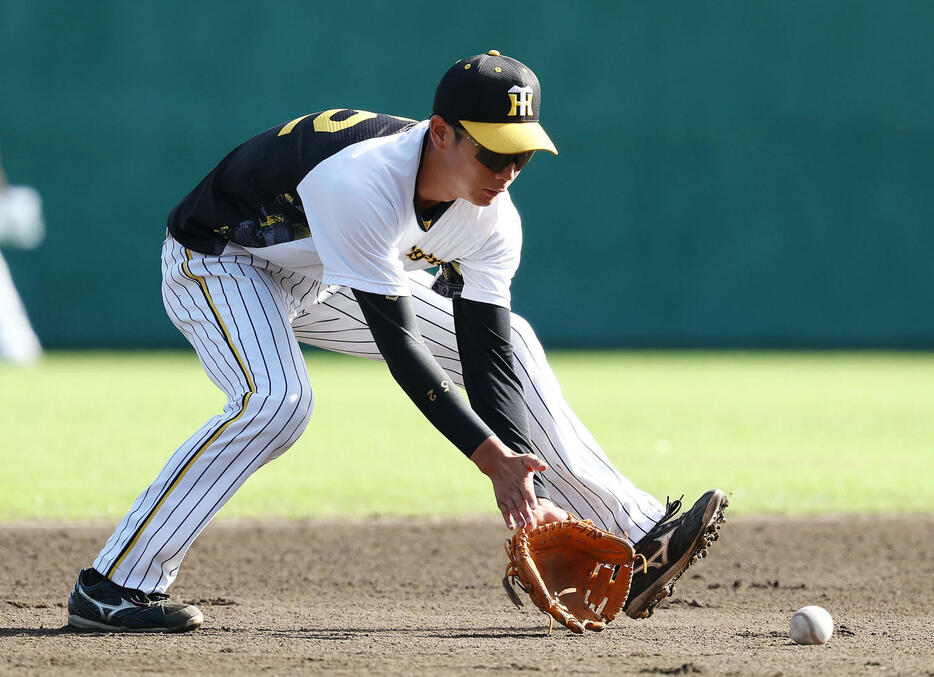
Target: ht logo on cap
521	99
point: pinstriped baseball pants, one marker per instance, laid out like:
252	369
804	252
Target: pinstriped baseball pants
245	318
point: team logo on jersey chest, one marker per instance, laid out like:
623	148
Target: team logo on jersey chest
416	254
520	99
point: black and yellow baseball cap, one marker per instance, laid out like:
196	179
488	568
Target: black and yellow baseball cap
497	100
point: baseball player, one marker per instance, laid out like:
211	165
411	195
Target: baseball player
320	231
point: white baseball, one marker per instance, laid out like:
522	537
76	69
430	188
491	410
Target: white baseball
811	625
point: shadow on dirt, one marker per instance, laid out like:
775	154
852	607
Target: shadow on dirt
348	634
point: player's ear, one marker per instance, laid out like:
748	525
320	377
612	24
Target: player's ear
440	132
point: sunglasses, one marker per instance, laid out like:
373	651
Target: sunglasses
495	162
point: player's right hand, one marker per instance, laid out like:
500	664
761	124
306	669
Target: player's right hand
511	475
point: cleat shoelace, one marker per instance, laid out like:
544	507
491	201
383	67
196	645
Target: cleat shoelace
672	508
143	599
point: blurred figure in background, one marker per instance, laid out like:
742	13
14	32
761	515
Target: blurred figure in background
21	226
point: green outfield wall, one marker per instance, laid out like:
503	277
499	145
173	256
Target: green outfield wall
730	173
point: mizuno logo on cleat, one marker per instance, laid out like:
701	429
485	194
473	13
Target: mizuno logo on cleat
107	610
660	558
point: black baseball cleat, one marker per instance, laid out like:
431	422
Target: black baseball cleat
96	603
670	548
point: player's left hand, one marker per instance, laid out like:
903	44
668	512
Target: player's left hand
511	475
548	512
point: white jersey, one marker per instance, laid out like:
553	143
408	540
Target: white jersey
365	234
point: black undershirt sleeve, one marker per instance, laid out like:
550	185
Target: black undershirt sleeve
394	327
483	341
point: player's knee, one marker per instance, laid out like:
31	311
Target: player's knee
290	421
303	403
295	405
525	344
521	326
285	402
279	418
523	336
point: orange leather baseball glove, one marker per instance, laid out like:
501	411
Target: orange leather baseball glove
573	571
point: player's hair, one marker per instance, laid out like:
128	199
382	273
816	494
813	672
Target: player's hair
456	126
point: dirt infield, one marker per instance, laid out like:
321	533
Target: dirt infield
395	597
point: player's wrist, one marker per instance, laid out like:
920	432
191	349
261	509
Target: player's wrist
490	454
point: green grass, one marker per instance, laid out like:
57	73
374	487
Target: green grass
84	433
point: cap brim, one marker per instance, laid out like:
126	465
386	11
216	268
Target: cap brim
509	137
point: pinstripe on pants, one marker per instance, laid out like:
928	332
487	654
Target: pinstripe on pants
236	317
